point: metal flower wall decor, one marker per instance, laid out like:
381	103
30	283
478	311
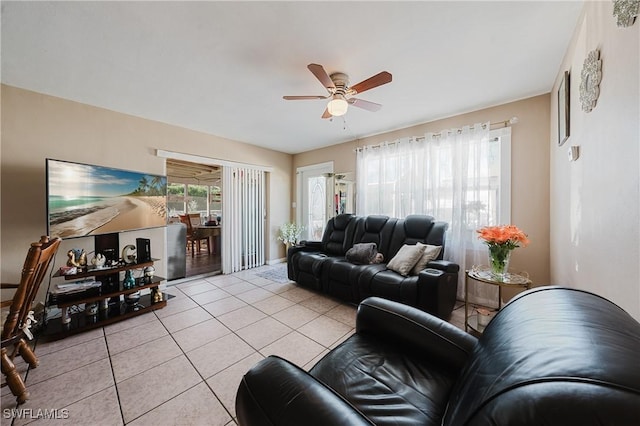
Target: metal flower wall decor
590	82
625	12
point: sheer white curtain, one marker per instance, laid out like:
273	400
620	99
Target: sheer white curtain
450	175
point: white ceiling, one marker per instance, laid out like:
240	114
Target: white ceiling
223	67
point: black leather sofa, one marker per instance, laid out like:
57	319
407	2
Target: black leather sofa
322	266
552	356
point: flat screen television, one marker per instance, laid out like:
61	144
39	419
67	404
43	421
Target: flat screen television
86	200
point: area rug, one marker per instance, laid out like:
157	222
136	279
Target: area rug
278	274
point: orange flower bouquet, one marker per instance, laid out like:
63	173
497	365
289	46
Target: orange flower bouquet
501	241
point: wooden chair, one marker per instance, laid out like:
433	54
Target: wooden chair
193	238
16	325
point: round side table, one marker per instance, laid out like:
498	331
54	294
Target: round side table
483	275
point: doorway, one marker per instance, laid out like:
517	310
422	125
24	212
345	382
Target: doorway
195	200
315	199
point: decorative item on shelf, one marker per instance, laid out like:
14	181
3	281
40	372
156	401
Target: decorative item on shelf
91	308
501	241
590	83
111	256
99	261
77	257
68	270
290	234
65	315
131	300
156	295
26	325
143	250
129	254
128	282
149	271
625	12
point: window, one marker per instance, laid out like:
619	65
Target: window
193	198
422	177
175	194
460	176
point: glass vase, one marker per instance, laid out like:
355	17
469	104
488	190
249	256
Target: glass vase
129	281
499	257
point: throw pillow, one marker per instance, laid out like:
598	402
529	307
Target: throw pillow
362	253
405	259
429	254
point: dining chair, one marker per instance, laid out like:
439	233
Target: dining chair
20	316
193	238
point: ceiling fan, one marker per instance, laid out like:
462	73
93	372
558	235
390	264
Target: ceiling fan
337	85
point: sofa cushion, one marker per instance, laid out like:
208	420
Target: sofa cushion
386	384
375	229
430	253
391	286
340	277
338	234
406	258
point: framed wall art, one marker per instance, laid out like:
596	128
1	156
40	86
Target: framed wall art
563	109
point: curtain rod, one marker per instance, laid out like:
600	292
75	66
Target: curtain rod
497	124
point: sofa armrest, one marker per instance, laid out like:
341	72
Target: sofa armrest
311	245
304	246
444	265
437	291
276	392
405	325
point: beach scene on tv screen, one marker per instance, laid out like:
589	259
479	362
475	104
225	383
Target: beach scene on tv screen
91	200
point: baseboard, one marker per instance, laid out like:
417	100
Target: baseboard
276	261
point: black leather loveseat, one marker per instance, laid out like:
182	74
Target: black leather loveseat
322	265
552	356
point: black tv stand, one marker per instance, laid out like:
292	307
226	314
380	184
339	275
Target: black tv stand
112	290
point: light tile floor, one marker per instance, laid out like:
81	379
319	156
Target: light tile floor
181	365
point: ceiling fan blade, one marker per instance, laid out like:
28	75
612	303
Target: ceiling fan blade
326	113
360	103
321	75
299	98
375	81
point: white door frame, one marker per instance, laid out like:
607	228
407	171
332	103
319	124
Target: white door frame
326	167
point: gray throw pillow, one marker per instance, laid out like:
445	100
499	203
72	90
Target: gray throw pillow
362	253
406	258
429	254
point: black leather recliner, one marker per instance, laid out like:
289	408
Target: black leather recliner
304	262
322	265
552	356
339	276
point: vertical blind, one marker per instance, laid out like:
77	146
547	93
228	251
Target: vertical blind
243	218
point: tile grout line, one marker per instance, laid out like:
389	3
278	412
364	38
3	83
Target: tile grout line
229	281
113	375
204	380
182	353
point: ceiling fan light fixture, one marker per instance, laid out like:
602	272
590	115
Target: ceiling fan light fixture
337	106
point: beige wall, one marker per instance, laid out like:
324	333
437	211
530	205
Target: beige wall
595	202
530	170
37	126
